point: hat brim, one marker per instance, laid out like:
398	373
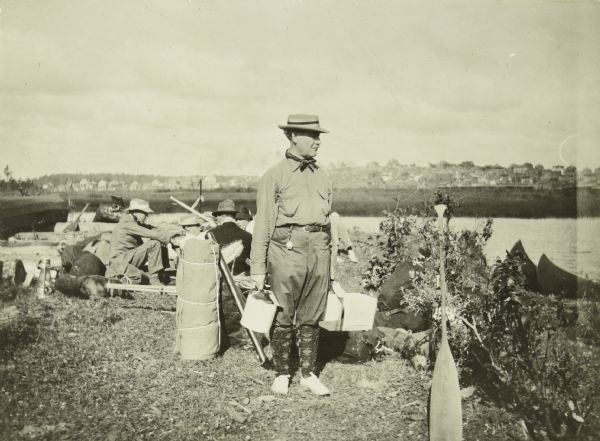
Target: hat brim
303	128
218	213
143	210
239	216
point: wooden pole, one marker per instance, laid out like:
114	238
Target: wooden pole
240	303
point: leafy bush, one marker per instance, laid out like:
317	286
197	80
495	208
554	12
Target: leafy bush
518	346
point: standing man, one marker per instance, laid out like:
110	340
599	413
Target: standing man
291	243
129	253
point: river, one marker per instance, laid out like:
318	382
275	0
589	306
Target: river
573	244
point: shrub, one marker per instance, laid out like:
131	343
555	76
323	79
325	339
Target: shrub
515	344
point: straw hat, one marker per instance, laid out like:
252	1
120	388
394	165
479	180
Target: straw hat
225	207
190	221
302	121
139	205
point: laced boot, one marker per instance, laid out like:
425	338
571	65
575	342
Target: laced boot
308	344
281	340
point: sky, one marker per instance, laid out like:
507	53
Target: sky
188	87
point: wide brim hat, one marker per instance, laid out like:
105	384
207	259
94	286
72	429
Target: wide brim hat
243	214
190	221
139	205
225	207
301	121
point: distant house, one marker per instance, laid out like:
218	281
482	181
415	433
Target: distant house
156	184
102	185
83	184
173	184
61	188
134	186
115	185
210	183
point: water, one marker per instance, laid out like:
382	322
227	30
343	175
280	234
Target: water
572	244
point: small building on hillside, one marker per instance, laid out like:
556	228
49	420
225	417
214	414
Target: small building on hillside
102	185
210	183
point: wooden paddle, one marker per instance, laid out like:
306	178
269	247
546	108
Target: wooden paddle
73	225
445	413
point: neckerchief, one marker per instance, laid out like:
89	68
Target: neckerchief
310	163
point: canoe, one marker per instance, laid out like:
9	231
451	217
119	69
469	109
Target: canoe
47	238
30	213
529	269
555	280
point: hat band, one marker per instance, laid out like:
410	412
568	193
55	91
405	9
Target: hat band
302	123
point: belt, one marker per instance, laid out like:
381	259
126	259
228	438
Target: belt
311	228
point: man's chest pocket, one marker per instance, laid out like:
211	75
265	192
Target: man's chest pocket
288	202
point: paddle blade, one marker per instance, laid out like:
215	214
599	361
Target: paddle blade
445	412
232	251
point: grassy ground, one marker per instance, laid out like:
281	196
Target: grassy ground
105	369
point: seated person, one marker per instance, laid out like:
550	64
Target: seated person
227	231
340	240
129	253
244	219
192	226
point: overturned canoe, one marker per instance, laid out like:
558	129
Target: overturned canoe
47	238
23	213
529	269
555	280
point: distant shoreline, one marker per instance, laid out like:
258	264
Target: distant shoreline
510	202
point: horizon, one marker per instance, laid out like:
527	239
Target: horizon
327	166
198	87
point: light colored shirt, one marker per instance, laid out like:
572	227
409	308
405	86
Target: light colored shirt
127	236
286	196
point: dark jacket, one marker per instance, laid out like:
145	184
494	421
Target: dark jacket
229	232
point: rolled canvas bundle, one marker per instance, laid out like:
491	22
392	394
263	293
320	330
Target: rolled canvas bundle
197	317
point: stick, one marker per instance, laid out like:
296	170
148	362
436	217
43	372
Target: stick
191	210
159	289
240	303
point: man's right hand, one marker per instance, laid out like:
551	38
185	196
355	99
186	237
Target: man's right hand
259	281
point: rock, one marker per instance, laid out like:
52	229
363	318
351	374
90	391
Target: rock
521	431
265	398
467	392
235	415
419	362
